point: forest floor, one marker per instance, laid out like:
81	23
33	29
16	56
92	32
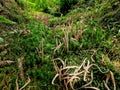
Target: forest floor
29	53
46	19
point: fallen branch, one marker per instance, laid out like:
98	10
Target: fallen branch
5	63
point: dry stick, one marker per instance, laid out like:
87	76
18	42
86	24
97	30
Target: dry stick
108	77
58	70
20	66
56	36
80	66
55	78
25	84
71	80
70	67
98	68
78	34
65	82
6	62
67	68
17	86
113	80
70	77
106	85
58	47
66	40
86	68
42	50
63	63
88	82
55	66
64	68
92	88
94	51
106	82
76	74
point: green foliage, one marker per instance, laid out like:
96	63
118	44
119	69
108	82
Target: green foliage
46	5
26	4
1	40
74	45
5	20
112	14
86	38
36	47
93	36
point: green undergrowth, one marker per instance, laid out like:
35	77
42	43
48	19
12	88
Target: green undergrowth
35	43
36	48
38	44
77	36
84	37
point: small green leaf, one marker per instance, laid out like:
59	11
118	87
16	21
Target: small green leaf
5	20
1	40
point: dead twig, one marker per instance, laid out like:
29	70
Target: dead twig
93	88
106	85
58	47
66	39
17	86
88	82
20	66
6	62
28	81
113	79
